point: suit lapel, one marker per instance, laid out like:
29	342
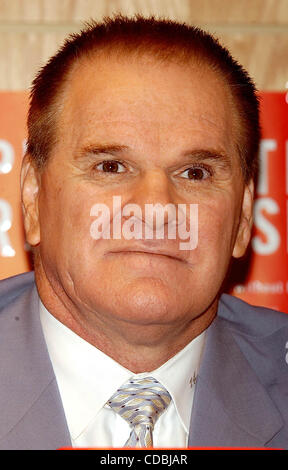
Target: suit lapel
231	407
41	427
32	415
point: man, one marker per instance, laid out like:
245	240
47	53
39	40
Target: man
122	325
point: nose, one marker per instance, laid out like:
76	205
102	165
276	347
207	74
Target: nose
154	195
154	187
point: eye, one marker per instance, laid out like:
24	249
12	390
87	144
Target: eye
197	173
110	166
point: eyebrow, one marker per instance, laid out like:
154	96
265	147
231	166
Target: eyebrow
101	148
208	155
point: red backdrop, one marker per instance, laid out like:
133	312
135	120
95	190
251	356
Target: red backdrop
261	278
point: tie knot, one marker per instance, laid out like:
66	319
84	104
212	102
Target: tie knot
140	401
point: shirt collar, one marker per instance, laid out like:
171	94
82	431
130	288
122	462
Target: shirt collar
179	375
87	377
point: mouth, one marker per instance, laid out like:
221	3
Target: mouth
149	252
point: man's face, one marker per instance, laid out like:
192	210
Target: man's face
149	133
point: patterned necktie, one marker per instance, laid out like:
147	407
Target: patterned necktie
140	402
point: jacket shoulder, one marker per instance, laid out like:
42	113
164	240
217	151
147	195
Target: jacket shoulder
262	336
250	319
13	287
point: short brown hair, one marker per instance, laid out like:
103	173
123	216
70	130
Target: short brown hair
166	40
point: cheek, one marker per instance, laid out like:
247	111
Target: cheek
63	218
218	222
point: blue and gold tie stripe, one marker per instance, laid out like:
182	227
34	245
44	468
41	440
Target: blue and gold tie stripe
140	402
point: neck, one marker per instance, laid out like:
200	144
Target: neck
137	347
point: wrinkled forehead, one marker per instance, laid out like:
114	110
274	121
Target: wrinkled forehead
129	97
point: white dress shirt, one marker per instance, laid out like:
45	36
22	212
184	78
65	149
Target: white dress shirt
87	378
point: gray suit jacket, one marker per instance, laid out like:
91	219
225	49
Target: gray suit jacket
241	397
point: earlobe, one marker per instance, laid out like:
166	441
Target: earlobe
30	184
246	222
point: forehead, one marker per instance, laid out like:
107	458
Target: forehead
147	100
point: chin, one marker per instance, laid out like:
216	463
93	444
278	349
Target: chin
146	302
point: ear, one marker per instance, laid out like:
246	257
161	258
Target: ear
30	185
246	222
